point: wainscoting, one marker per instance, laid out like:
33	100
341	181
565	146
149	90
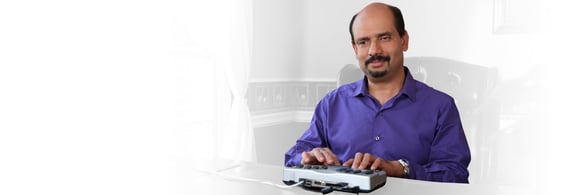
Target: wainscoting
281	112
273	103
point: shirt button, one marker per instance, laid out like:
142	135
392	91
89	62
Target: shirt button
376	138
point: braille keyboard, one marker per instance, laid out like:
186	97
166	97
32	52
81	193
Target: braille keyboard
335	178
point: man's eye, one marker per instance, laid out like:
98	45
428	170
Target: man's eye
385	38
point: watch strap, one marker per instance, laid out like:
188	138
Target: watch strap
405	166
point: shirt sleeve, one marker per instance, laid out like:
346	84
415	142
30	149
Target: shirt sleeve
313	137
449	153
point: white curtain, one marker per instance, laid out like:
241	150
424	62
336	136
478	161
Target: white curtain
236	139
212	51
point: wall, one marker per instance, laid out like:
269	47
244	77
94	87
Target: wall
277	40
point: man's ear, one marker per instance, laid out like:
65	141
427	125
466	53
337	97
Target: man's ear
354	48
405	41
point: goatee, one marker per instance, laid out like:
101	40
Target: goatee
377	74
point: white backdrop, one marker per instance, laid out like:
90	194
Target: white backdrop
96	95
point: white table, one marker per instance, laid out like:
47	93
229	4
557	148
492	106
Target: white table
253	178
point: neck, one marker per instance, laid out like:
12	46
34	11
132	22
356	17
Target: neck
384	89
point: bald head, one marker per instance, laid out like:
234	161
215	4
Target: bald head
380	9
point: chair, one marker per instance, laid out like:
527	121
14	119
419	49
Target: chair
348	74
470	85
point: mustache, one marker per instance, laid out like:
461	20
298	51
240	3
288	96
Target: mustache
377	57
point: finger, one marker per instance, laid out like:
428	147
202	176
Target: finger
307	158
304	158
331	158
357	160
318	155
366	161
348	162
376	163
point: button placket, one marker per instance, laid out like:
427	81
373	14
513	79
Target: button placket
376	131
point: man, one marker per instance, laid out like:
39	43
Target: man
387	121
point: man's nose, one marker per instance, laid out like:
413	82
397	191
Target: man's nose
374	49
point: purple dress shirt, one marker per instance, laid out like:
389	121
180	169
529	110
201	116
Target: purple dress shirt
420	125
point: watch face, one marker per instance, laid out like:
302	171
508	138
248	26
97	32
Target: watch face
403	162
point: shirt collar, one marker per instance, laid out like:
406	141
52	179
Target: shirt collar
409	86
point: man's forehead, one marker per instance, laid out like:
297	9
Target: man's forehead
373	26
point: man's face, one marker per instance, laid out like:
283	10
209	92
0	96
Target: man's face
377	44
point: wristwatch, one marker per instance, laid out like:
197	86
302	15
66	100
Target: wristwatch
405	166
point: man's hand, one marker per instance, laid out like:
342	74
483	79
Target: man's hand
322	156
368	161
